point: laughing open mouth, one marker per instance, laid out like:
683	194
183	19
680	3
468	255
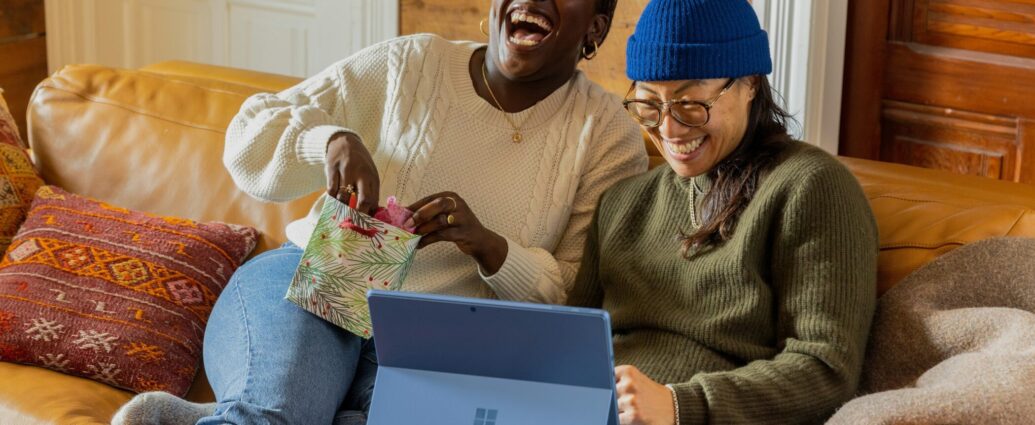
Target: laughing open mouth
528	28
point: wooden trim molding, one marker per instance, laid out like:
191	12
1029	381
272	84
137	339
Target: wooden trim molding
807	40
864	78
826	74
71	32
347	26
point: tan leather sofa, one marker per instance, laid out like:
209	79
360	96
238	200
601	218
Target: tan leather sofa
152	139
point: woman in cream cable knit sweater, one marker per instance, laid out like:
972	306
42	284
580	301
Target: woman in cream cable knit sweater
503	150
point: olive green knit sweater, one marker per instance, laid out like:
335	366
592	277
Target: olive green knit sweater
768	327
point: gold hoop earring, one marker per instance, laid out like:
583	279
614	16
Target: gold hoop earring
483	26
593	54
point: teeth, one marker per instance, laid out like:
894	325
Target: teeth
532	19
685	148
523	42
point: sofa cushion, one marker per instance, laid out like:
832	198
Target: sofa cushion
118	296
32	395
18	178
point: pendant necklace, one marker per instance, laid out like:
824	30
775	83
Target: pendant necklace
516	137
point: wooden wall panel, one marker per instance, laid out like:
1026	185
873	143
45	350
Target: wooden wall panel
458	19
1026	131
959	79
995	26
23	53
20	17
942	138
943	84
902	18
23	66
959	110
454	19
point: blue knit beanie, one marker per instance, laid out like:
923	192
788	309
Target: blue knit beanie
697	40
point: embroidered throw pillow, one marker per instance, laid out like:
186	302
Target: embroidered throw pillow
18	178
114	295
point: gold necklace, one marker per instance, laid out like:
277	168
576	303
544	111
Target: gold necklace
516	138
693	203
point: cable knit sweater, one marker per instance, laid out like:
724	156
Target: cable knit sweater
412	102
767	328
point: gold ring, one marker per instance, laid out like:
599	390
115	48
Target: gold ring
454	203
450	219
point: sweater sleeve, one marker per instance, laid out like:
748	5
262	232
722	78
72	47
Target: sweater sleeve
537	275
276	144
587	291
823	265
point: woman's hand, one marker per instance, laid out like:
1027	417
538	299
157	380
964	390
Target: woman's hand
351	169
641	401
445	217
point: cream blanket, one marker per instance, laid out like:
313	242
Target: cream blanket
954	343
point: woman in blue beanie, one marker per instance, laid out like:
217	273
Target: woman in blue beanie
741	278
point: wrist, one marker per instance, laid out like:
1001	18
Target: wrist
349	138
493	254
314	143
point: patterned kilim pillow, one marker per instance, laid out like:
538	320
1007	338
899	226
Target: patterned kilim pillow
117	296
18	178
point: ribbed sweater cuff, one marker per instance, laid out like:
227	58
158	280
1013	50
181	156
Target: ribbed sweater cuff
312	148
519	275
693	409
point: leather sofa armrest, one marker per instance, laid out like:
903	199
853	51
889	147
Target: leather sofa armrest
922	214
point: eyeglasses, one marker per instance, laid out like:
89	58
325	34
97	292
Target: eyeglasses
691	113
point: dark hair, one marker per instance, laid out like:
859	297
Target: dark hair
736	178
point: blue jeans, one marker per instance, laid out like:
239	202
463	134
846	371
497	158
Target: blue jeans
270	362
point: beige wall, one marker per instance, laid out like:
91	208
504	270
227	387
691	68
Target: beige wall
297	37
458	19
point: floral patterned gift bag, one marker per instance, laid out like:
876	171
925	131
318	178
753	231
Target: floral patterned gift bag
349	253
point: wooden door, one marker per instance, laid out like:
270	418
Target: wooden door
947	84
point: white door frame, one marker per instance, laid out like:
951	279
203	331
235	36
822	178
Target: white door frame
807	38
